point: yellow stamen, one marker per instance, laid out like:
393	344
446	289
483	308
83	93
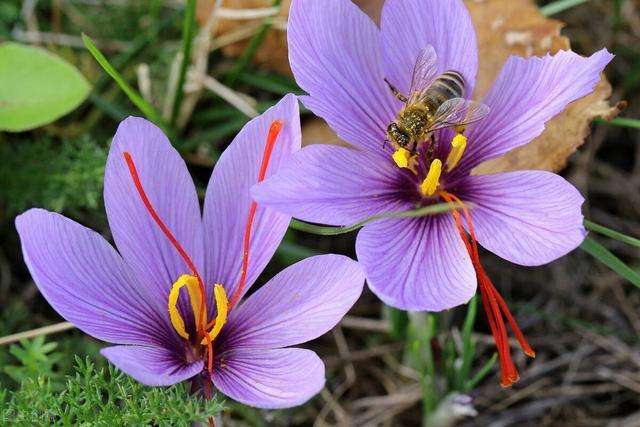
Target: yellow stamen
401	157
191	282
222	305
431	182
458	145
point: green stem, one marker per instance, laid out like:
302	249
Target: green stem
187	41
621	121
334	231
601	229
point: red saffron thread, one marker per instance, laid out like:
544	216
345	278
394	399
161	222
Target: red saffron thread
493	303
274	131
167	232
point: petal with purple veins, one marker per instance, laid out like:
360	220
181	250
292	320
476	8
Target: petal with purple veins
334	185
417	264
528	93
88	283
334	51
526	217
166	181
228	198
408	26
152	366
299	304
270	379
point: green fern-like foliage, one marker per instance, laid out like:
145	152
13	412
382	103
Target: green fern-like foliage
102	397
54	175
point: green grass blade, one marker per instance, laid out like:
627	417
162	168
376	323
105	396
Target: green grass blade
559	6
621	121
250	51
334	231
146	108
601	229
187	41
399	321
471	384
605	256
468	346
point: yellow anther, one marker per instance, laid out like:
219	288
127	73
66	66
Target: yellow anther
222	305
401	157
431	182
458	145
191	282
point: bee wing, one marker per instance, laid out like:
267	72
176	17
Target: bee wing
424	73
457	112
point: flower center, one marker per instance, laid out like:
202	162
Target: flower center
193	282
427	163
493	303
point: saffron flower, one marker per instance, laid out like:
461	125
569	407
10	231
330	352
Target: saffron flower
169	297
342	59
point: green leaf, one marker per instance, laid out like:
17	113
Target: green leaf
36	87
605	256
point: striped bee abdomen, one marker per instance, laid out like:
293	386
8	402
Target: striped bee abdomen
448	85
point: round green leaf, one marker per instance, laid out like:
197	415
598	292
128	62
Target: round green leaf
36	87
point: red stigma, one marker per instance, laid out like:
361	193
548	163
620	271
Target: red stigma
494	305
167	232
272	137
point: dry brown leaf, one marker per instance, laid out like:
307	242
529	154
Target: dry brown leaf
504	28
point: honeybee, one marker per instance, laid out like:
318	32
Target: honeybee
434	102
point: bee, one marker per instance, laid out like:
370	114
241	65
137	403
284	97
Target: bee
435	102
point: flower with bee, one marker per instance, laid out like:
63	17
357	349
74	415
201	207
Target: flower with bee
400	94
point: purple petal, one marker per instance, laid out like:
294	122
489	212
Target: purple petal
526	94
152	366
228	198
299	304
170	189
87	282
526	217
334	51
408	26
417	264
333	185
270	379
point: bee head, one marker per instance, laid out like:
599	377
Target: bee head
398	136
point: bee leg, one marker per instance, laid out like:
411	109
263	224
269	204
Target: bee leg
396	92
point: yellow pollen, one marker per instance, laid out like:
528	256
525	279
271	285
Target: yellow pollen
401	157
222	306
458	145
191	282
431	182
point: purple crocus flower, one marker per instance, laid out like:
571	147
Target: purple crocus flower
166	334
341	59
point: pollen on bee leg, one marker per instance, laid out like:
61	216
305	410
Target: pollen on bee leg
458	145
222	306
431	182
191	282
